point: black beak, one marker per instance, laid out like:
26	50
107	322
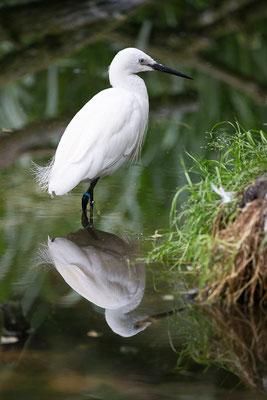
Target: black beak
162	68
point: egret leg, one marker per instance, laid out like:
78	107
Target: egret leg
89	195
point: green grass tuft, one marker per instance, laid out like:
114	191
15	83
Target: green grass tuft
239	157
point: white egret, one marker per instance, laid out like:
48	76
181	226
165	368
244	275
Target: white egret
107	131
96	265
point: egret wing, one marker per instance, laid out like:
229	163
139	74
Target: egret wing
101	119
101	135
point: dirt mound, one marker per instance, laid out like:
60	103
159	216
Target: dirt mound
240	251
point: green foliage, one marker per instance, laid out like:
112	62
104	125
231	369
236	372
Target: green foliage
240	157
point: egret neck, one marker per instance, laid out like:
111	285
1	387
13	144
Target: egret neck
125	79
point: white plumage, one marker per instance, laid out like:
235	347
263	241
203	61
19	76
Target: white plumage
108	130
100	151
96	265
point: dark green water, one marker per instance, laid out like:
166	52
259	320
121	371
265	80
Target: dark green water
66	349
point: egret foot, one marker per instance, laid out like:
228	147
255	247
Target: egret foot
89	195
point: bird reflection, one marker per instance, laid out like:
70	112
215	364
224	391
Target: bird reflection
98	266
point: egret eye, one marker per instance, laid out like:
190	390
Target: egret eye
141	60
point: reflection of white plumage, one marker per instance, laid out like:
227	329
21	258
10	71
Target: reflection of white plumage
95	264
107	131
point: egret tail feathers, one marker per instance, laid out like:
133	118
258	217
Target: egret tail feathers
42	256
42	174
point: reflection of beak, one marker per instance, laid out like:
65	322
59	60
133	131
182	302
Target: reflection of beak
142	324
157	317
162	68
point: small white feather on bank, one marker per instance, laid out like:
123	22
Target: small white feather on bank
226	197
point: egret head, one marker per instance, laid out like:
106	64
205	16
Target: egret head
126	325
132	61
